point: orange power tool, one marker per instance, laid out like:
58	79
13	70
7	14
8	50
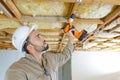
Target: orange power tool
79	35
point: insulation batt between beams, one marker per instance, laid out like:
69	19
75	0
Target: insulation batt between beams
107	35
41	7
99	10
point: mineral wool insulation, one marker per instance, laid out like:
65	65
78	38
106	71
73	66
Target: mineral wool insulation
8	23
99	10
43	8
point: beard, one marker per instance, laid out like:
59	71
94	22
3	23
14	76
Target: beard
45	48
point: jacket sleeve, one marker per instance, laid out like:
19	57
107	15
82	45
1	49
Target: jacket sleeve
58	59
13	74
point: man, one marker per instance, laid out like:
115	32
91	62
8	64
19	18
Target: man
37	63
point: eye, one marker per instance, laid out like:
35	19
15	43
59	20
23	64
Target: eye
38	36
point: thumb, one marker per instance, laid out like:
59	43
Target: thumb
71	32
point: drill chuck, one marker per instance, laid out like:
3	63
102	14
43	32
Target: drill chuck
71	19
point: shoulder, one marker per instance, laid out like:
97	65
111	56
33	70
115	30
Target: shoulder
15	69
17	64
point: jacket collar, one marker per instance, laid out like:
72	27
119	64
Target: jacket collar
32	58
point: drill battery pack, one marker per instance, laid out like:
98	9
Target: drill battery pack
79	35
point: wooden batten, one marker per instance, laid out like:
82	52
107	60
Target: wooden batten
43	19
54	19
5	39
72	1
115	2
59	19
112	30
13	8
75	7
10	30
89	21
118	20
2	16
7	13
113	15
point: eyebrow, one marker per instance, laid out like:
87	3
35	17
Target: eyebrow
38	35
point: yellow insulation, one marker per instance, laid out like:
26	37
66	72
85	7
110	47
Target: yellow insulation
41	7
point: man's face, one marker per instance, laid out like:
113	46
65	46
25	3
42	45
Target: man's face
38	41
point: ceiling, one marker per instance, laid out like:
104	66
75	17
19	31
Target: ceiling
100	18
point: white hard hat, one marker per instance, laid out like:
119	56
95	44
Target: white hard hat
20	35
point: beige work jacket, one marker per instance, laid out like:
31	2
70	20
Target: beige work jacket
28	68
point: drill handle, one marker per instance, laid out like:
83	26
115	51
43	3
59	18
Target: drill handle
68	27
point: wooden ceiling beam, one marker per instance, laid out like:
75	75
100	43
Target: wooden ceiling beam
4	9
3	16
43	19
50	37
104	40
112	15
112	29
114	32
5	45
3	33
25	19
11	30
118	20
115	2
13	8
5	39
61	43
97	48
117	37
71	1
75	7
59	19
2	39
89	21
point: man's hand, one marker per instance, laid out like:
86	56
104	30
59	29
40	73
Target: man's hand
71	36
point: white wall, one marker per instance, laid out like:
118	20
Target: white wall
6	59
96	66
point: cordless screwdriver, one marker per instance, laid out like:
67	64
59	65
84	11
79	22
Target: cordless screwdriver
69	25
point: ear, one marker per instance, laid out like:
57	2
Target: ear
29	47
